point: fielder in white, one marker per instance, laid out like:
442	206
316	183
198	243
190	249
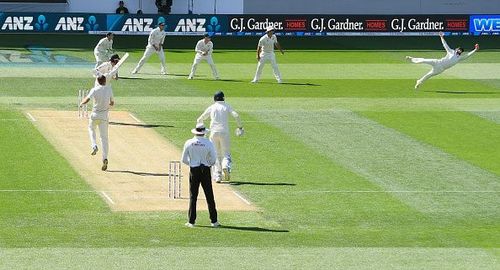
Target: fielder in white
265	53
155	45
106	69
103	100
440	65
204	49
103	49
219	134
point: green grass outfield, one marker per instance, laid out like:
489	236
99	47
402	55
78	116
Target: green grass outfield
351	167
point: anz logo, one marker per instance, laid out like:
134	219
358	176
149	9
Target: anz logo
191	25
70	24
138	25
23	23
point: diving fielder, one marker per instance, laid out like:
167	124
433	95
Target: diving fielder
204	49
155	45
265	53
103	100
219	134
439	65
103	49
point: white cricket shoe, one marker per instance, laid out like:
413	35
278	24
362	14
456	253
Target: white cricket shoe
190	77
280	81
215	224
227	174
218	179
408	58
417	85
94	150
163	73
253	81
189	225
217	78
134	71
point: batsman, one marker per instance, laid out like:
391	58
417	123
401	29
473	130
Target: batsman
219	134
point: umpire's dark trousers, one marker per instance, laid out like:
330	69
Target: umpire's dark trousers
201	175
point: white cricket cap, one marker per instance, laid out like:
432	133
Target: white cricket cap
269	28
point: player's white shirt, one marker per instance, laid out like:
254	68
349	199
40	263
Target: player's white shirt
102	95
103	46
105	69
156	37
198	150
451	58
202	47
267	43
219	114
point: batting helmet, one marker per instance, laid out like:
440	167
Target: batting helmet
219	96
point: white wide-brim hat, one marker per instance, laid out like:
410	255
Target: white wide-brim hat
269	29
200	130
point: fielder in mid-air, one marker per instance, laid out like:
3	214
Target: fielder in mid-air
103	100
439	65
155	45
265	53
219	134
204	49
103	49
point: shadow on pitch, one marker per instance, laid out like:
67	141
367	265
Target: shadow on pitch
220	80
462	92
133	78
139	125
239	183
290	83
138	173
252	229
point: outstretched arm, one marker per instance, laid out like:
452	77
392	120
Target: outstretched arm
204	115
476	48
445	45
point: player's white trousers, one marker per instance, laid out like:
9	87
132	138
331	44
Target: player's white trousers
197	59
267	57
149	51
222	146
103	133
436	68
100	58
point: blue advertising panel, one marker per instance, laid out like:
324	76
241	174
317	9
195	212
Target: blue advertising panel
51	22
485	24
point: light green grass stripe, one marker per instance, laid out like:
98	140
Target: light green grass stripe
493	116
250	104
289	71
249	258
394	161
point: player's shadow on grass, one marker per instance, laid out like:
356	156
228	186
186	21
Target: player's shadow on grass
139	125
253	229
133	78
239	183
462	92
138	173
292	83
220	80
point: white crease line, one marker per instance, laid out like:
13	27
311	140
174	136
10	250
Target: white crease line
107	197
135	118
241	197
31	117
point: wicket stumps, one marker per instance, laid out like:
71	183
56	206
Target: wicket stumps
83	110
174	179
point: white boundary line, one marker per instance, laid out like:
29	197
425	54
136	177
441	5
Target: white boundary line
135	118
33	119
241	197
107	197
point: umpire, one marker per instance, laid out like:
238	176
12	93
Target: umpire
199	154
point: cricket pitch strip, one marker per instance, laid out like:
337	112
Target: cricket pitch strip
137	176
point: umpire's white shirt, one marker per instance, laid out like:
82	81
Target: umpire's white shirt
197	151
103	46
219	114
102	96
202	47
156	37
267	43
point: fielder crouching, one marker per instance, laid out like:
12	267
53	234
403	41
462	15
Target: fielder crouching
103	100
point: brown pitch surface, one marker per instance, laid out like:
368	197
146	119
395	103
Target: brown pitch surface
137	176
